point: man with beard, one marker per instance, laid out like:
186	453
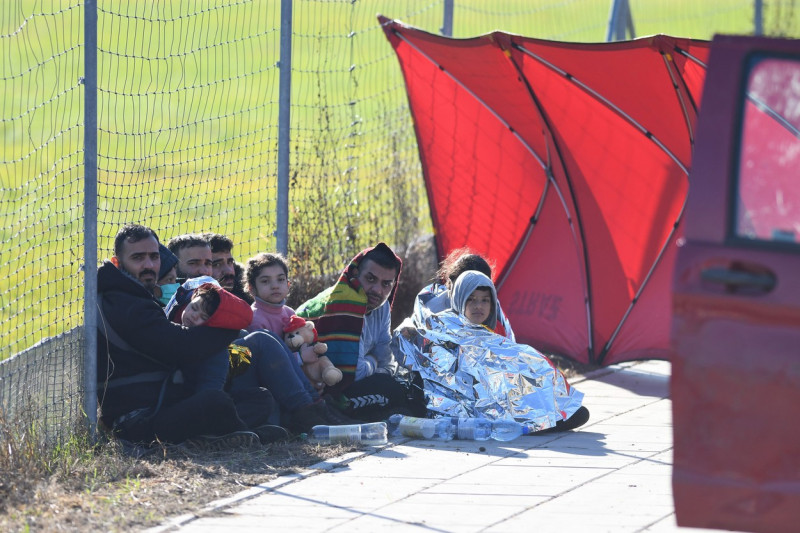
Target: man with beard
354	318
139	352
224	268
194	256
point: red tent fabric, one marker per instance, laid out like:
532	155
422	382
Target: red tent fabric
567	165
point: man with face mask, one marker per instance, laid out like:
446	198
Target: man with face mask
139	351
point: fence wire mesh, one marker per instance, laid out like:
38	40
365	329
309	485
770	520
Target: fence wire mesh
187	114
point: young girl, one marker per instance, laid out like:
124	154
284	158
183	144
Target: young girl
435	298
473	296
267	278
535	390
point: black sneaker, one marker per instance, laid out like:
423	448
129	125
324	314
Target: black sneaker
336	417
268	434
305	418
231	441
341	403
579	418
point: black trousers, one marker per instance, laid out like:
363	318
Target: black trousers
376	397
207	412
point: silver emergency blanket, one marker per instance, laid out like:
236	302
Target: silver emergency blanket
468	370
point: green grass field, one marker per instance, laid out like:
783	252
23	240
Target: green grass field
188	126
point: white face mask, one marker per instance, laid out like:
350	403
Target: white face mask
167	291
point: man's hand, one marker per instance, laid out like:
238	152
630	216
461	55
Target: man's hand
307	354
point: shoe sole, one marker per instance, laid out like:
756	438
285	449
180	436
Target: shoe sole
269	434
232	441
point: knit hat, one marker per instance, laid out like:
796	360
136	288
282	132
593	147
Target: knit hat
168	260
232	313
295	323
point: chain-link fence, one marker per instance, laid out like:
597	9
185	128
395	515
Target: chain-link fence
187	106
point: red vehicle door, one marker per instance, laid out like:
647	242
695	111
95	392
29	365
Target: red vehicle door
736	297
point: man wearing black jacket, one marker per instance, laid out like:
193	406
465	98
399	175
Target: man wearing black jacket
139	352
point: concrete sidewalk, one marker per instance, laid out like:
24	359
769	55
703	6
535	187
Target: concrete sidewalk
611	475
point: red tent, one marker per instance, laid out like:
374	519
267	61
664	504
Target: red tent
567	165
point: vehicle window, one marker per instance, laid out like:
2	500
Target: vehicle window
768	207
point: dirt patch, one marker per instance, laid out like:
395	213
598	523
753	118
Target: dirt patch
112	492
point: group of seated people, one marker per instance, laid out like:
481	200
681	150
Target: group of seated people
191	349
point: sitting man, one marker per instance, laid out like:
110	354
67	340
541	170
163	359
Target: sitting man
223	266
139	352
354	318
194	256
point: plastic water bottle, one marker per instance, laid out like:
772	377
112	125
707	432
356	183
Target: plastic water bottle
373	434
473	428
483	429
422	428
506	430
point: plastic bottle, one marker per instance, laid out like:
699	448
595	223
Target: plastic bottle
506	430
422	428
373	434
473	428
483	429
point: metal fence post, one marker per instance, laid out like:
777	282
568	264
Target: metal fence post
447	19
758	17
90	215
284	124
619	20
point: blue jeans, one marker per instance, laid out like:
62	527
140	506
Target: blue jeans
207	374
276	368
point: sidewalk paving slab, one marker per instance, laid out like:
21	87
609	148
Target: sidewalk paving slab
613	474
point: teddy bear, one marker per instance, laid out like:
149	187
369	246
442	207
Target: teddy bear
300	336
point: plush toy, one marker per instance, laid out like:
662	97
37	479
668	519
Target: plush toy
300	336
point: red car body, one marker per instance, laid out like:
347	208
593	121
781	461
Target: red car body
735	382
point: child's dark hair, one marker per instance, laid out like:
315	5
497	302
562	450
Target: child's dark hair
209	298
258	263
459	261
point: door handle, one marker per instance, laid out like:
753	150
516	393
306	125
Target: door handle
736	279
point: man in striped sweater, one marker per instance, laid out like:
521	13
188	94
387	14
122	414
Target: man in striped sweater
353	318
